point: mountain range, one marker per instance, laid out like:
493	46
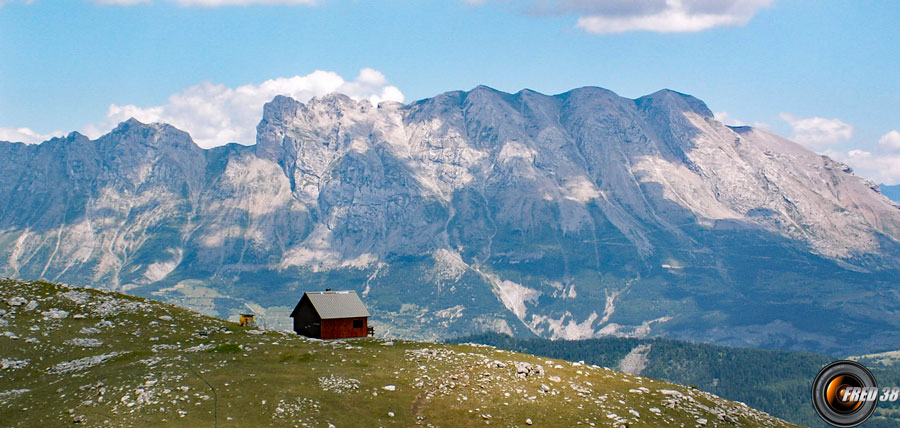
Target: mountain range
577	215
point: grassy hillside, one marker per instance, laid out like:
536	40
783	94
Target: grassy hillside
777	382
71	355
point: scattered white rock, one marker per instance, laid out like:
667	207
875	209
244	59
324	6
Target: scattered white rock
338	384
105	324
80	297
524	369
13	364
143	396
84	342
82	363
6	396
198	348
55	314
389	387
17	301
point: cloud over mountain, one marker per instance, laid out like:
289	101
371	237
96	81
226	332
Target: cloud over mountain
818	133
26	135
881	164
216	114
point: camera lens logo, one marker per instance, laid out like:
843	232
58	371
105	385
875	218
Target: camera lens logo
845	394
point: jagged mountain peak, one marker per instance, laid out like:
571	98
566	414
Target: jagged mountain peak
589	91
481	97
336	99
72	138
280	100
76	136
528	92
673	101
130	123
148	134
481	88
332	105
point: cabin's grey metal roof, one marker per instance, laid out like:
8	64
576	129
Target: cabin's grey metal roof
337	304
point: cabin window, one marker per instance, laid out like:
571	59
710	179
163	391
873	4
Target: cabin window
357	323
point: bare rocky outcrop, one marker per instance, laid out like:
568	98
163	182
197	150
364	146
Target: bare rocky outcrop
636	360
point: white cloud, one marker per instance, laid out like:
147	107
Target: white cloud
215	114
818	133
26	135
663	16
209	3
890	141
879	167
725	118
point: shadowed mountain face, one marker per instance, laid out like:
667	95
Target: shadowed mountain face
892	192
578	215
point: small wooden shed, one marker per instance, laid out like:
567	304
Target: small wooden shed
248	320
331	315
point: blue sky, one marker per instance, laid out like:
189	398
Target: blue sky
822	72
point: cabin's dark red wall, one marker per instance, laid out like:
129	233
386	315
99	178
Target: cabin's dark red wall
343	328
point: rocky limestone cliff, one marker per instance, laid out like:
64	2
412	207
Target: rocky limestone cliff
576	215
